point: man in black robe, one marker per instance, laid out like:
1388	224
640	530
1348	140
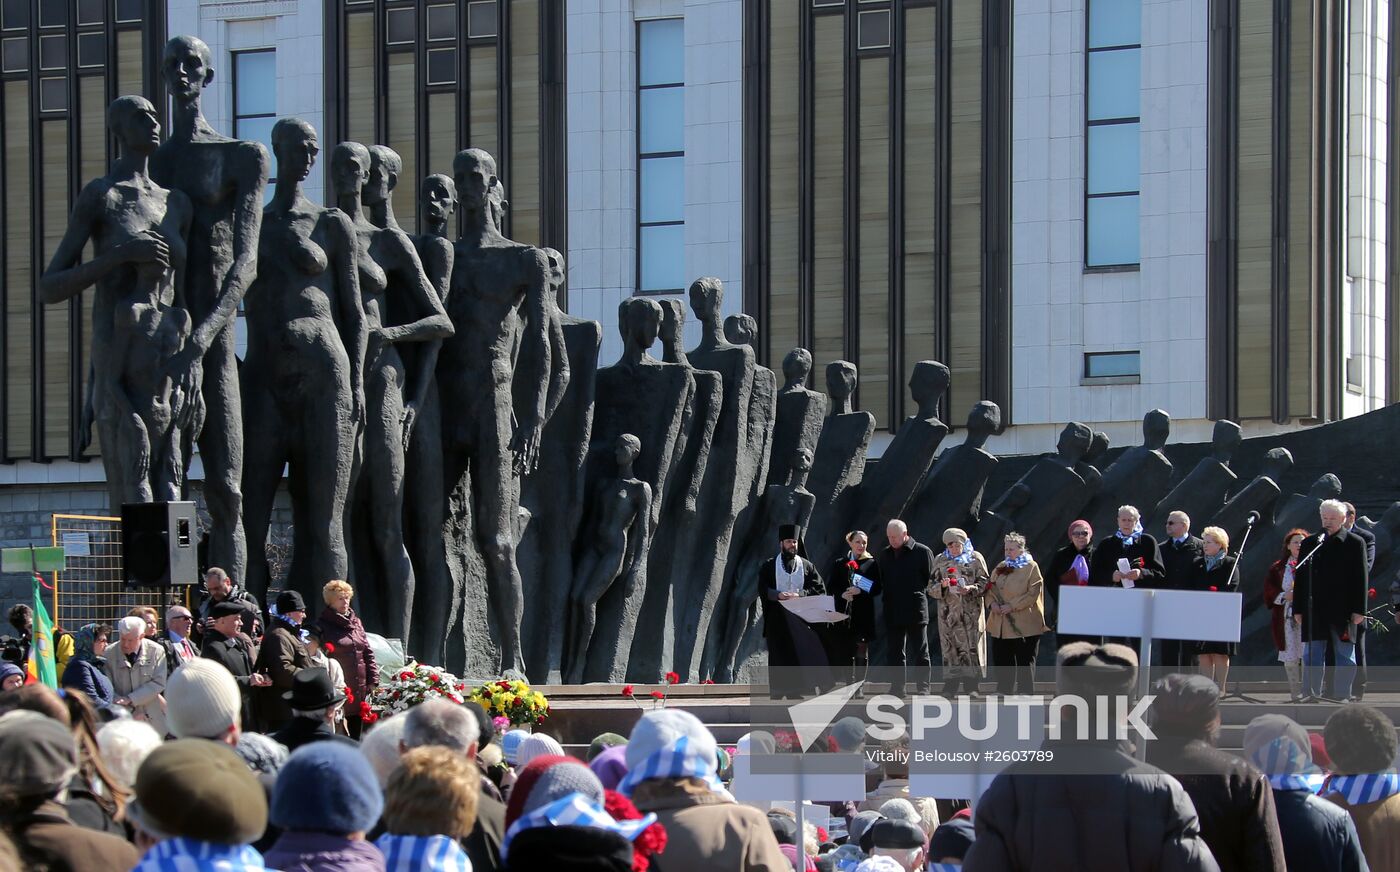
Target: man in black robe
791	642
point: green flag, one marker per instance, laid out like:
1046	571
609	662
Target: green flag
41	662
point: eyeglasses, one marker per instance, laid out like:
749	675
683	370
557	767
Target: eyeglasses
1079	534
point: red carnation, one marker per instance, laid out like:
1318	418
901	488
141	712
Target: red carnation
1213	588
1371	593
651	841
503	685
405	675
823	835
851	564
672	678
627	690
349	696
1141	563
708	681
367	714
656	694
330	648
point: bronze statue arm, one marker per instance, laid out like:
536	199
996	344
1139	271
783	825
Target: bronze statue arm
639	543
66	277
437	259
247	223
533	364
434	325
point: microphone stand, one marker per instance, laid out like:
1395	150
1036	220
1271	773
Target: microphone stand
1230	584
1321	538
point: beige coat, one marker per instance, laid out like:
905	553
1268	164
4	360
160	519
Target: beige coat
1378	825
962	625
1023	590
706	833
142	682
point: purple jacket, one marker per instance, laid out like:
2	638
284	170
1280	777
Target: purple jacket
352	651
322	852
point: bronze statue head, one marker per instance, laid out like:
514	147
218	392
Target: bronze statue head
133	120
295	144
187	66
384	168
797	364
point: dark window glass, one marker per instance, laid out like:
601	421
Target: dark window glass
481	18
442	66
875	29
399	26
53	52
129	10
1112	364
53	95
92	11
92	49
14	14
53	13
16	55
442	22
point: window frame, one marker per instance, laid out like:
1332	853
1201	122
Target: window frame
234	58
1089	124
642	156
1087	376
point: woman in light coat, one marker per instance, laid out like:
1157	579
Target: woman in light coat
1015	617
959	583
138	672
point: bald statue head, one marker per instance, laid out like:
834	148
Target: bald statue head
1156	427
927	384
797	365
295	144
706	297
639	322
474	172
740	329
349	168
384	168
133	120
188	66
438	195
982	422
841	380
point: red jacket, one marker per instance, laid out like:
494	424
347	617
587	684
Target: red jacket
1273	586
352	651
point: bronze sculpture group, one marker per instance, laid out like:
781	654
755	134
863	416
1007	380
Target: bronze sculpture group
450	442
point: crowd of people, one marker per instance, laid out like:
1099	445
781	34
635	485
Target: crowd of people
991	618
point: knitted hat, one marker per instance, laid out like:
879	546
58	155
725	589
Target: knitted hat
603	742
951	840
39	753
900	809
510	744
1184	705
610	766
290	601
263	754
197	789
526	779
202	701
8	669
659	729
560	780
327	787
849	733
536	745
954	534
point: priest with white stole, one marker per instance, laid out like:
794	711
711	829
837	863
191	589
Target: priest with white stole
787	576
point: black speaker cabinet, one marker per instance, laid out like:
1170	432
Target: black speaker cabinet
159	542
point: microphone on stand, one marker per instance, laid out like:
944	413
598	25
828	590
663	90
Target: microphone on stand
1252	518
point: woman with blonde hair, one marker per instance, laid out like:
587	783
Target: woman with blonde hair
854	582
430	805
344	640
1016	617
1212	571
960	582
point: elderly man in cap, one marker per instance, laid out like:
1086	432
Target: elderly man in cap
1316	833
313	703
138	671
202	702
40	759
178	625
1233	799
1093	808
198	806
281	657
785	576
901	841
226	645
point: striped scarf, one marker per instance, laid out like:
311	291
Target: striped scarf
1286	766
1130	538
965	557
679	759
423	854
1212	562
574	810
188	855
1018	562
1365	789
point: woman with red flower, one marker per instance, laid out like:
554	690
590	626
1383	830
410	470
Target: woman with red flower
1212	571
347	642
959	584
854	583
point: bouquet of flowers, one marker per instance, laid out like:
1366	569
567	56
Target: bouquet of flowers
414	683
512	700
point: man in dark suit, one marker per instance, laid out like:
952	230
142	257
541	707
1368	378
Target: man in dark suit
226	646
906	568
1330	598
1359	688
1179	553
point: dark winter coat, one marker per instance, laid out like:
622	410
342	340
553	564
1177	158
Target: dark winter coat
862	608
1055	818
233	655
1331	586
282	656
1177	561
905	573
238	595
1316	833
47	838
352	650
1109	549
1233	800
1058	574
87	676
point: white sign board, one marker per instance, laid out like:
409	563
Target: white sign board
1205	616
77	545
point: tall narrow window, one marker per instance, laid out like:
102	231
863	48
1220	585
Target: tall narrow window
1113	116
255	100
661	156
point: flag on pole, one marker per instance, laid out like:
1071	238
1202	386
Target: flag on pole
41	663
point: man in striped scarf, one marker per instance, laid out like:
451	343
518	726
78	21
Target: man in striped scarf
1362	744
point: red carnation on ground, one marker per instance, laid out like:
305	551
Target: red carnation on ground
405	675
656	694
672	678
708	681
627	690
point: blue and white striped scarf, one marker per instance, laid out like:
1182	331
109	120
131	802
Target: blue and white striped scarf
422	854
1364	789
188	855
965	557
1286	766
679	759
1130	538
1018	562
574	810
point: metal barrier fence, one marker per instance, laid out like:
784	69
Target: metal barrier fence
92	587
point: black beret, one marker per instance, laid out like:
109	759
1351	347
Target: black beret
896	834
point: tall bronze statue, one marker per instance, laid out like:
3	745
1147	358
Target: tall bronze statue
224	180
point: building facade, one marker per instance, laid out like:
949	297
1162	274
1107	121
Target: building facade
1085	208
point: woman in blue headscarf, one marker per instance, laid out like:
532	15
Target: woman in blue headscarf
84	672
